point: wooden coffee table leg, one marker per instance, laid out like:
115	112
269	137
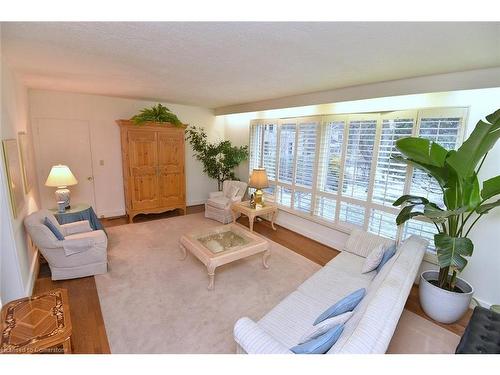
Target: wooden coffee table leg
211	276
183	252
265	258
250	222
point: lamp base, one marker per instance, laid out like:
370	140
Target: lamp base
63	195
259	198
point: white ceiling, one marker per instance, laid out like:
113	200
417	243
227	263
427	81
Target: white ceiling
220	64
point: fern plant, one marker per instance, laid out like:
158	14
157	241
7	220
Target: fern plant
157	113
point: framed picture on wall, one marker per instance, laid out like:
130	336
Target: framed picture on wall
14	174
27	167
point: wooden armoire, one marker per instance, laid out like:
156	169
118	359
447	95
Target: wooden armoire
153	167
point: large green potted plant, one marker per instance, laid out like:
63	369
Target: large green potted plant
443	295
219	159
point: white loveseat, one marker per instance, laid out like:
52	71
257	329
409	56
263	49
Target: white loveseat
372	325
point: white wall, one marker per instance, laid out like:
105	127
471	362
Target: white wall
18	260
101	112
483	271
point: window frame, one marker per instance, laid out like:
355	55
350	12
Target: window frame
416	114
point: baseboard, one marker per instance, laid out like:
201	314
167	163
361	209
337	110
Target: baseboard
107	214
314	236
195	203
34	269
481	303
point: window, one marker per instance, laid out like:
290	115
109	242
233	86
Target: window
340	170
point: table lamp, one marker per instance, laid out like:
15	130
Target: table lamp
258	180
60	176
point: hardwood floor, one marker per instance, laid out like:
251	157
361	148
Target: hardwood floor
89	334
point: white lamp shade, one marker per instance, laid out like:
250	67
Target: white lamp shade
258	179
59	176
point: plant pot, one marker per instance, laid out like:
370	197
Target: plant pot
440	304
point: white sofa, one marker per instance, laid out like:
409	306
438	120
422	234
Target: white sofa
372	325
82	252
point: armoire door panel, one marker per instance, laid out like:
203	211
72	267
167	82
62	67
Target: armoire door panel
171	167
143	164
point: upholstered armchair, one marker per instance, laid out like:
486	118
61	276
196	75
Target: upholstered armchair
218	205
82	252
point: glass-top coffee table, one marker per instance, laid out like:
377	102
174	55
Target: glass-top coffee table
223	244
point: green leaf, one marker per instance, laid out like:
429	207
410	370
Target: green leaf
451	251
439	173
406	214
422	151
438	215
491	187
414	199
487	207
481	140
493	117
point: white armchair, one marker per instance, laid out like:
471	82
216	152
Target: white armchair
82	252
218	205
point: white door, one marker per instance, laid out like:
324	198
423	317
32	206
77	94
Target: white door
62	141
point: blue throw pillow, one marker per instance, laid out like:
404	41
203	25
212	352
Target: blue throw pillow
49	224
348	303
320	344
388	254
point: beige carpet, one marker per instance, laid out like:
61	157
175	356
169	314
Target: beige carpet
152	302
416	335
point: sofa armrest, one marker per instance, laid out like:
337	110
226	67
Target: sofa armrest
78	243
76	227
215	194
254	340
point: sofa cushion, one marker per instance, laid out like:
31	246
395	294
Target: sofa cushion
337	278
218	202
55	231
325	326
373	259
362	243
345	304
388	254
321	344
232	191
291	318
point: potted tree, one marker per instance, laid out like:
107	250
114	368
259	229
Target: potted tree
218	159
443	295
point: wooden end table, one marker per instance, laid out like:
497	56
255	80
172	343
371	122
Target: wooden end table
221	245
245	209
38	324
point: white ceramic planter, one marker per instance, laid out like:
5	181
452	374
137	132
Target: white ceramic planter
442	305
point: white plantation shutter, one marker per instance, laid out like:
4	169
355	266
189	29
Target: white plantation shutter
302	201
338	169
383	224
255	148
287	152
358	161
420	228
284	196
443	126
269	144
306	154
325	208
351	213
330	164
390	175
